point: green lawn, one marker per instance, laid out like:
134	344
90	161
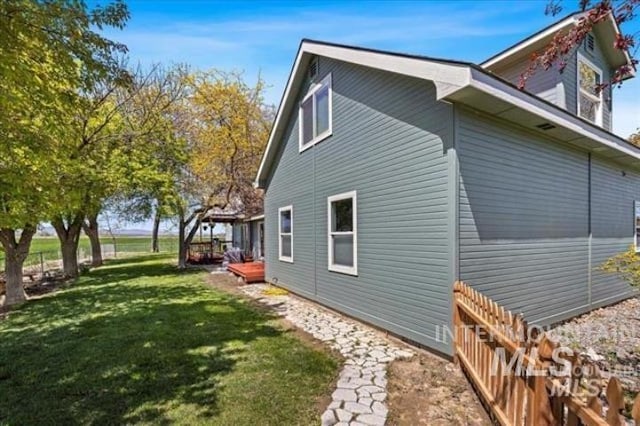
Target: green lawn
48	248
48	244
137	341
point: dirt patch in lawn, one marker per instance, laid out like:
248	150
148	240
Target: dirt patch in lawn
428	390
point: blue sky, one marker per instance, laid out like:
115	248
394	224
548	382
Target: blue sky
263	37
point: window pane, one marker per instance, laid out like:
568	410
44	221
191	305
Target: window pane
285	221
589	78
307	120
286	245
588	108
322	110
343	250
342	211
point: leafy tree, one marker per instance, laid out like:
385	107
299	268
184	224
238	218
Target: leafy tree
50	52
564	44
635	138
123	147
225	125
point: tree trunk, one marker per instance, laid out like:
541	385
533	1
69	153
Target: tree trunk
182	247
69	236
92	231
16	252
155	248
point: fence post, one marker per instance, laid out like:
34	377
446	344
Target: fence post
41	264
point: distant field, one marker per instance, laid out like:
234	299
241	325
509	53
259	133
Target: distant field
46	244
44	249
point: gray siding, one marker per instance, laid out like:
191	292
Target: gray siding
612	225
561	88
389	144
524	220
545	84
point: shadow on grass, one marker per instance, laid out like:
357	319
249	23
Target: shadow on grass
127	343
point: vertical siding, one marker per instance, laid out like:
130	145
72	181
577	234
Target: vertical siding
570	81
523	218
389	144
612	225
543	83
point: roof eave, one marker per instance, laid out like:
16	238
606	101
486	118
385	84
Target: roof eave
570	128
448	76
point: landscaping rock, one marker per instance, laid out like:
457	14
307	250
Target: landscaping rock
361	390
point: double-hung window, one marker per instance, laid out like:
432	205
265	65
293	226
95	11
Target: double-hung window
315	116
636	225
589	91
285	234
343	233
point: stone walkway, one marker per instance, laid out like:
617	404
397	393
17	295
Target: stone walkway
359	398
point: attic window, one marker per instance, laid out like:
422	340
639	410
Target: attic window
589	91
590	43
315	116
313	69
546	126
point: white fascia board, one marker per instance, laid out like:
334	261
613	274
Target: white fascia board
447	77
625	52
490	85
452	75
286	98
533	40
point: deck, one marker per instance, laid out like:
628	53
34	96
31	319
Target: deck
251	272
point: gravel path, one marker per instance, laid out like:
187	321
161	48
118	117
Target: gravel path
361	392
610	337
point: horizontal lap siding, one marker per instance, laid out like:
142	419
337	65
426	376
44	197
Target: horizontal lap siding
388	145
523	218
612	223
542	83
291	184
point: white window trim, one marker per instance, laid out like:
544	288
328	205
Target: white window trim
280	234
600	98
353	270
322	136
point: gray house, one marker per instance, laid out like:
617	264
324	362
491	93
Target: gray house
388	177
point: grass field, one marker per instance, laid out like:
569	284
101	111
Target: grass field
137	341
47	244
46	249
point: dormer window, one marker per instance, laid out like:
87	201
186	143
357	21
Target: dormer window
315	114
589	93
590	43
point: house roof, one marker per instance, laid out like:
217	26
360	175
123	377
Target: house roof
455	81
607	31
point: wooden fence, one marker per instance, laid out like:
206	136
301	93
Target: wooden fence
512	367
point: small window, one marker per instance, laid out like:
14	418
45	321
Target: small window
343	233
285	234
636	224
590	42
315	114
313	69
589	91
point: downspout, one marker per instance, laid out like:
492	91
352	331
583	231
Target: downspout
590	230
453	190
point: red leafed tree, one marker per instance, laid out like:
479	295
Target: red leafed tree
563	44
